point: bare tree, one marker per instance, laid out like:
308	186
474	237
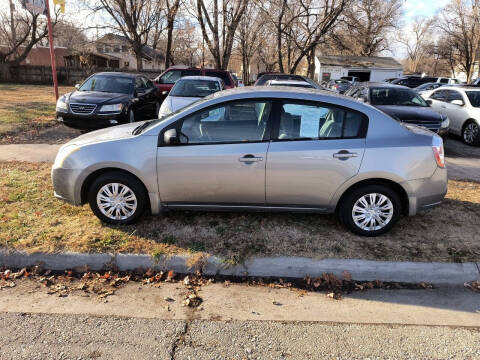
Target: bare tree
137	20
417	41
365	27
218	26
172	10
20	31
301	26
460	27
248	37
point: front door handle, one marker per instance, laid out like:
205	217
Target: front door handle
249	158
344	155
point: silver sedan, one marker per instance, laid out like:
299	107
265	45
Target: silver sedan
259	149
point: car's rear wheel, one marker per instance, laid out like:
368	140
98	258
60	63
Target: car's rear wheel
371	210
471	133
117	198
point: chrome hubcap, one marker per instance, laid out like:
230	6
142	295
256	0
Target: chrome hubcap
116	201
470	133
372	212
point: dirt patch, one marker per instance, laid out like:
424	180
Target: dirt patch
34	220
48	134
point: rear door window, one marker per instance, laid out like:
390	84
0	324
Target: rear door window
439	95
171	76
310	121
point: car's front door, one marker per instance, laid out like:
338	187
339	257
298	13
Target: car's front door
438	99
317	148
220	159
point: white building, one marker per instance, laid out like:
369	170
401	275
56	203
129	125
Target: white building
367	68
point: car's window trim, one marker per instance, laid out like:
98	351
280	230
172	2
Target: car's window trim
177	124
276	119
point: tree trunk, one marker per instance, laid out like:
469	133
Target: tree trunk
168	52
138	55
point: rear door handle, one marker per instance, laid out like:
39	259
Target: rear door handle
249	158
344	155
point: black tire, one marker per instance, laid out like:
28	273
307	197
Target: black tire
349	201
124	179
471	125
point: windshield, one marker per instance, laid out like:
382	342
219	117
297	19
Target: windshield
194	88
474	98
396	96
169	116
108	84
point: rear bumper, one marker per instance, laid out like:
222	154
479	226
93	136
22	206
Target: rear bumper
91	122
427	193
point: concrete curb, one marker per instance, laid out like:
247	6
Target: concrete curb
294	267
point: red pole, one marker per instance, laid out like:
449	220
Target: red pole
52	50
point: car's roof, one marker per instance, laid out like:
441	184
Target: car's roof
461	87
199	77
288	82
120	74
382	85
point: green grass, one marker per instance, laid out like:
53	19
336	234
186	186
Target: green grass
26	106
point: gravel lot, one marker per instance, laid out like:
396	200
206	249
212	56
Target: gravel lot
26	336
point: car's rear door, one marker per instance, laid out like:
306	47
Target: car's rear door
221	157
317	147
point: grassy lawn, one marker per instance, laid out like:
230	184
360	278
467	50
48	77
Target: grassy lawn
32	219
27	106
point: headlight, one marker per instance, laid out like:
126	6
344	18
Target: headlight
64	152
112	108
164	110
61	104
445	123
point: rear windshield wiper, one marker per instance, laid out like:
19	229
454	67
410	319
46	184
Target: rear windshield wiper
139	128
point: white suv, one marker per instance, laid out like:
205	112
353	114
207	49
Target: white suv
462	106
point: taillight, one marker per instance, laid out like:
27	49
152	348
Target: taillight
438	152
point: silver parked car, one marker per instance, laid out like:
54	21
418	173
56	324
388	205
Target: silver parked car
187	90
261	148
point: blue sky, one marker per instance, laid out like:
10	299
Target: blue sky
422	7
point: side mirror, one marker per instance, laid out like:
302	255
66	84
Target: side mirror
77	86
429	102
170	137
457	102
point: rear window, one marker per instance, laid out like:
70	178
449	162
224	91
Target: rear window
264	78
222	75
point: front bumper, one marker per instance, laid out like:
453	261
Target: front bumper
427	193
92	121
64	181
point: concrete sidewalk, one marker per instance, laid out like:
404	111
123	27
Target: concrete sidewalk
458	168
29	152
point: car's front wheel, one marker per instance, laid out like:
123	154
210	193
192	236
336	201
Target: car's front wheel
471	133
117	198
370	210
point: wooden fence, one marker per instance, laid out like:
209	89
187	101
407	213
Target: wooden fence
27	74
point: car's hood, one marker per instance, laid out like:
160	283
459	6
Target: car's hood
96	97
178	102
410	112
111	133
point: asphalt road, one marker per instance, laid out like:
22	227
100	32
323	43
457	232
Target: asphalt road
41	336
